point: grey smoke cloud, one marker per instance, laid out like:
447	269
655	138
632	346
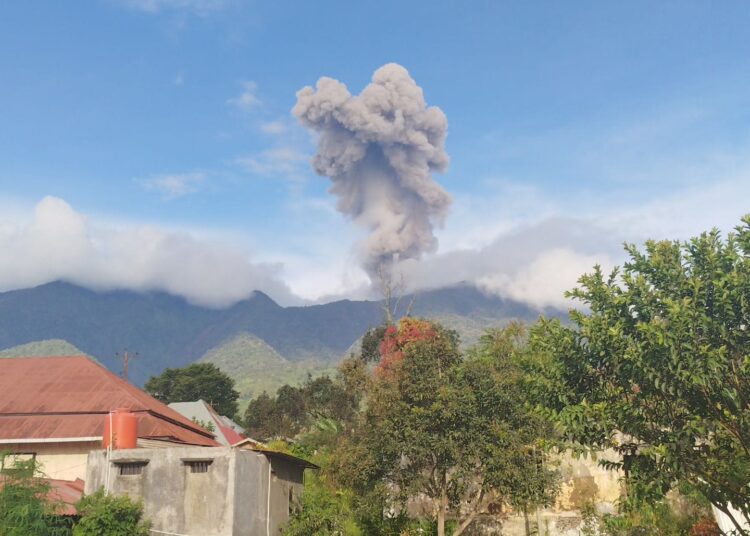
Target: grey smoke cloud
379	149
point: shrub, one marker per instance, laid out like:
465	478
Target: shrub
111	515
25	506
705	527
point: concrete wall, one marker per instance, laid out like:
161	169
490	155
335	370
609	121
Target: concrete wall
254	473
64	461
286	491
231	499
584	482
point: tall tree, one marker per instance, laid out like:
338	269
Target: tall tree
454	431
195	382
295	409
657	365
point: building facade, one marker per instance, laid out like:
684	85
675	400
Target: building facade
194	491
54	410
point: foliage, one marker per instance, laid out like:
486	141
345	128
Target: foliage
453	430
325	511
195	382
111	515
426	527
255	366
26	508
705	526
297	409
683	517
209	426
42	348
370	348
659	367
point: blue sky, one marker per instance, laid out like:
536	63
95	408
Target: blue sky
157	133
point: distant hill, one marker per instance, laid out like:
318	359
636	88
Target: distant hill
167	331
257	367
42	348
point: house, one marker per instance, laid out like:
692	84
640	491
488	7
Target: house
53	409
226	431
199	491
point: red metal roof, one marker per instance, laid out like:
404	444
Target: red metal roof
65	493
229	433
68	397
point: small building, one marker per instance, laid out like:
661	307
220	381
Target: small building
53	409
197	491
226	431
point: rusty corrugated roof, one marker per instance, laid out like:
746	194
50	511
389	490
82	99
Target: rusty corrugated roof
67	397
64	493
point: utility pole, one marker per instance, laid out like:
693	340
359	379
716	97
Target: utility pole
126	357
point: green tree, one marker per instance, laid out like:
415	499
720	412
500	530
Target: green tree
324	511
524	476
295	409
657	366
370	346
26	508
261	418
454	431
111	515
197	381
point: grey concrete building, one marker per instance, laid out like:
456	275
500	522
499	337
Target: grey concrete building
204	491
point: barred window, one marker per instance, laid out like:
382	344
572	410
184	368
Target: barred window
198	466
131	468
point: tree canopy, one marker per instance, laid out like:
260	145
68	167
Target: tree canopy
450	429
657	365
197	381
295	409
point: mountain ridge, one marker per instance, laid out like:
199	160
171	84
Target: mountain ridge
168	331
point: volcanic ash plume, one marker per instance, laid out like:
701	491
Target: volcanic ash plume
379	149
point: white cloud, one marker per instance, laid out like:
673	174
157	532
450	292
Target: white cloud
283	162
545	279
62	244
199	7
247	100
536	257
274	128
174	185
533	263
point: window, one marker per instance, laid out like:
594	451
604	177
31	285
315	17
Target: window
198	466
131	468
18	463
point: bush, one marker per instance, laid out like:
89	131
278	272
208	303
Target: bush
324	511
25	507
683	515
111	515
705	527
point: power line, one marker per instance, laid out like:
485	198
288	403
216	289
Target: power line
126	357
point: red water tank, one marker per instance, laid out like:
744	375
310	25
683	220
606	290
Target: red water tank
123	432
